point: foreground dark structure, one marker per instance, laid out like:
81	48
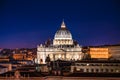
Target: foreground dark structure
69	69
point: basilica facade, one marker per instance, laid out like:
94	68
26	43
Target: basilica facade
63	47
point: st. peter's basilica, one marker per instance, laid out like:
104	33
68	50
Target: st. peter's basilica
63	47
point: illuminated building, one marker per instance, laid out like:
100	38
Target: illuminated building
99	53
63	47
105	52
114	51
19	56
4	58
8	65
3	69
96	67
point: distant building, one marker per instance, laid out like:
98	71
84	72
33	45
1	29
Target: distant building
8	65
115	52
63	47
99	53
24	54
105	52
19	56
4	58
96	67
3	69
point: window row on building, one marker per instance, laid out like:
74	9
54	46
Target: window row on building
96	67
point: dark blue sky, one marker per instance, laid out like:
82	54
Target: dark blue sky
27	23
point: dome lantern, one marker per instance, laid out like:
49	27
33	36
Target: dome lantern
63	25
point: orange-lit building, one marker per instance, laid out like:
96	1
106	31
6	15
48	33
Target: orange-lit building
99	53
4	58
19	56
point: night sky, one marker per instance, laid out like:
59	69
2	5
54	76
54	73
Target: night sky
27	23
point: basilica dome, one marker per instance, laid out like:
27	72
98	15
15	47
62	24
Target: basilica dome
63	36
63	33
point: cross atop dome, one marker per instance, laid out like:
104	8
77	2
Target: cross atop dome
63	24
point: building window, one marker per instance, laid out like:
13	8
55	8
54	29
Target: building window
111	70
81	70
97	70
74	69
101	70
87	70
106	70
92	70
